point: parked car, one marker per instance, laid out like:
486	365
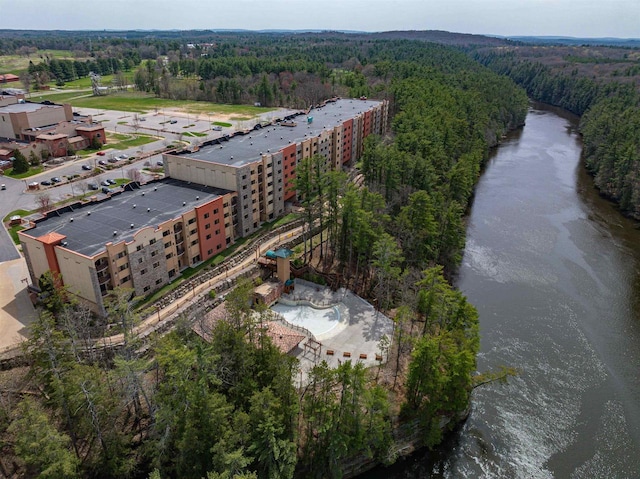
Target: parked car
45	183
217	128
105	183
55	179
123	157
173	122
86	167
112	160
3	187
101	153
93	186
102	162
110	181
159	163
106	190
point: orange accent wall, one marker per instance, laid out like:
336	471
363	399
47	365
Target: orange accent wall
52	260
368	115
289	170
347	140
217	242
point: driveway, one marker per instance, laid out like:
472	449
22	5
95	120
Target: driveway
16	310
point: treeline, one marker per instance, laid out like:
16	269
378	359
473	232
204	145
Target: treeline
610	116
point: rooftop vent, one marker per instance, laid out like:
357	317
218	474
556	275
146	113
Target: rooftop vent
134	206
115	233
71	220
184	203
148	210
197	198
155	188
143	193
131	226
88	213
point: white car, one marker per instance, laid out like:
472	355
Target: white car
123	157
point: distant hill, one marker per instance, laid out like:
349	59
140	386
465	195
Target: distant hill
608	41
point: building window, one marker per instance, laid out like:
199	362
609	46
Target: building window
153	253
208	226
219	246
143	271
215	212
191	221
167	245
206	215
155	265
216	222
158	281
166	233
208	237
172	273
125	279
152	241
170	255
217	232
209	252
140	260
194	242
146	288
139	247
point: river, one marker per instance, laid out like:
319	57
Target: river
554	271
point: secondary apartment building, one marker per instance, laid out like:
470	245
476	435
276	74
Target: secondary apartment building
260	164
45	126
144	236
140	238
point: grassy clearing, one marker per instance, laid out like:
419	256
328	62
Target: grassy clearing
57	97
16	64
118	141
26	174
142	103
81	83
221	123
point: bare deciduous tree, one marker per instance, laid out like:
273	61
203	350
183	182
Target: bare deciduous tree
43	200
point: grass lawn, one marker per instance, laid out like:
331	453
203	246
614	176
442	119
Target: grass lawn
13	232
139	102
57	97
221	123
81	83
194	133
26	174
21	213
119	141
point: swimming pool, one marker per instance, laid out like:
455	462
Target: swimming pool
319	321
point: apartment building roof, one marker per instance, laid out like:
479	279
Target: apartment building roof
89	227
25	107
243	149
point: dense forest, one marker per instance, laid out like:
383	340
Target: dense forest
229	407
603	86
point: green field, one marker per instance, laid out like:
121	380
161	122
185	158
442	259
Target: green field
119	141
16	64
142	103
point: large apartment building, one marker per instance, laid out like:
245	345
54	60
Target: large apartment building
143	236
260	164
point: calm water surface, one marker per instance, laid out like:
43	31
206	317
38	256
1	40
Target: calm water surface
554	272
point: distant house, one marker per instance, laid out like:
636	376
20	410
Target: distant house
8	78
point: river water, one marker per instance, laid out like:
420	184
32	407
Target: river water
554	271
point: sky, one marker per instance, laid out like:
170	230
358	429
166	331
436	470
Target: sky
577	18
